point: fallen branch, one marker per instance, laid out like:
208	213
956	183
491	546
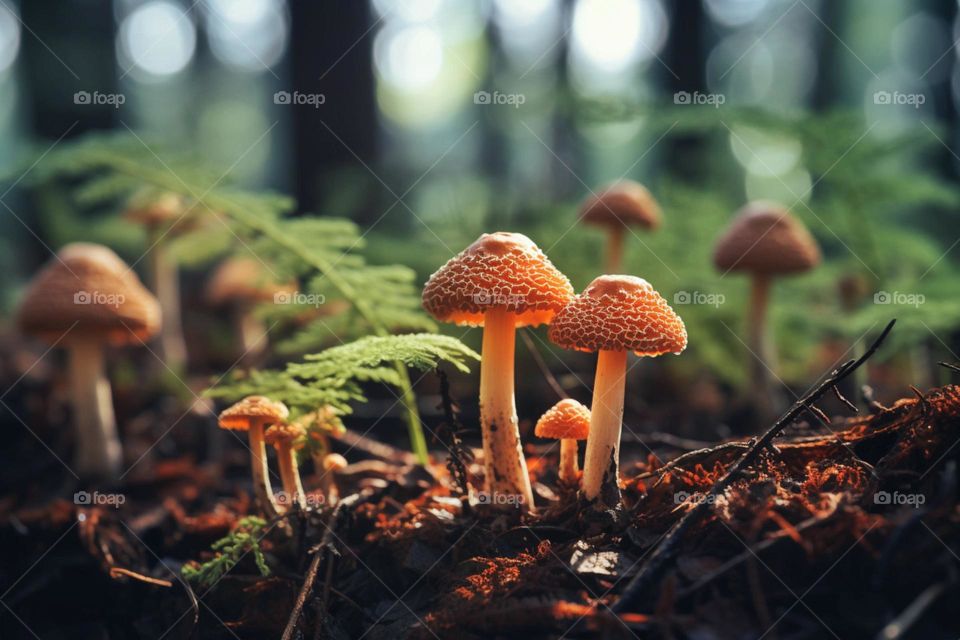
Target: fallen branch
664	553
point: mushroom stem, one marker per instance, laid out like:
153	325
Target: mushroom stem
99	454
328	487
761	358
252	333
260	470
615	248
602	462
290	473
568	461
166	286
507	479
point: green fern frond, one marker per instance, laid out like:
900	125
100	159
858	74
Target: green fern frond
243	539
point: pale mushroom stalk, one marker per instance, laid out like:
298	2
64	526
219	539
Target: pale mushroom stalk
759	339
166	286
290	473
614	249
260	470
506	468
602	461
99	453
568	461
251	331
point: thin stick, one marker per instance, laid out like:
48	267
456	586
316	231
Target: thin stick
663	554
952	367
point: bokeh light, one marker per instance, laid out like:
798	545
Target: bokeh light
9	37
157	38
250	35
409	57
735	13
529	30
610	36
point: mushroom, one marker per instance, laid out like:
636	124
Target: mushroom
241	284
164	214
84	299
619	205
765	241
253	414
284	436
500	282
332	463
614	315
566	421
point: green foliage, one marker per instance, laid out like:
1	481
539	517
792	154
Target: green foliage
242	540
335	377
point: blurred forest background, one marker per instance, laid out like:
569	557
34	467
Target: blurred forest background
429	122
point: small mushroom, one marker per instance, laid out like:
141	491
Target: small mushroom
615	207
500	282
765	241
332	464
566	421
163	215
85	299
614	315
284	437
253	414
241	284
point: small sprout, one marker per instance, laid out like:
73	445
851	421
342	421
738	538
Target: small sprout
617	206
320	425
567	421
614	315
500	282
242	540
332	463
284	437
85	299
253	414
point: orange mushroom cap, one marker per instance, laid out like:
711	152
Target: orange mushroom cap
283	432
500	270
619	313
566	420
243	280
334	462
89	291
252	408
764	238
621	203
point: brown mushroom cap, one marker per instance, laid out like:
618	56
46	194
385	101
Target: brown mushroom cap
619	313
621	203
566	420
243	280
334	462
252	408
88	290
765	238
283	432
155	208
500	270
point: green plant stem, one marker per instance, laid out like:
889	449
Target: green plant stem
168	180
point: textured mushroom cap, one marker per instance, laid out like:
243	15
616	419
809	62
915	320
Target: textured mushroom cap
619	313
621	203
566	420
243	280
334	462
499	271
250	409
283	432
765	238
89	288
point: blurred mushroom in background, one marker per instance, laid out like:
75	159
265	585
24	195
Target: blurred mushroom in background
616	207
